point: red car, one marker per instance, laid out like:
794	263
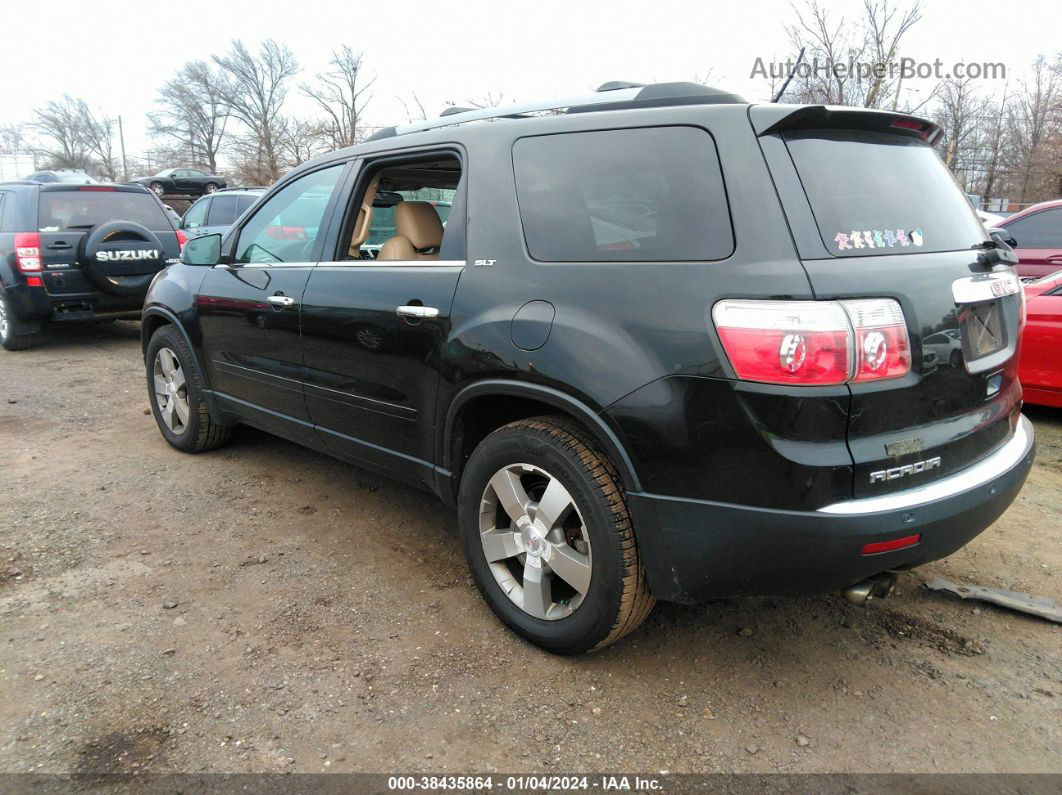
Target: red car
1040	370
1035	234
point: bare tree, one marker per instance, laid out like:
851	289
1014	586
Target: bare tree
194	113
1034	129
304	139
850	62
338	93
255	88
13	139
961	111
79	139
417	112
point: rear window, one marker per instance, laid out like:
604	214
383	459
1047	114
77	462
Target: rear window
636	195
83	209
881	193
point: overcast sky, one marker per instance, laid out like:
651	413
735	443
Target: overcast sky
116	54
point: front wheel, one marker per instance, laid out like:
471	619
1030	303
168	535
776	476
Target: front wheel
211	187
175	389
548	537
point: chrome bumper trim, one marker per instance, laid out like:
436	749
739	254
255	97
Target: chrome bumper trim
999	462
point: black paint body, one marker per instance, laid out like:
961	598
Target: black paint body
724	477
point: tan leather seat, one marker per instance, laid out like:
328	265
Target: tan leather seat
419	233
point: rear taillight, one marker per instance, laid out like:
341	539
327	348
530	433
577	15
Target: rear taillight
814	343
28	251
182	238
882	347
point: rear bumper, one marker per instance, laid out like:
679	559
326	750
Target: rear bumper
695	549
34	304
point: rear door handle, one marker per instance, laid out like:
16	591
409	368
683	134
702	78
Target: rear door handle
281	300
418	312
1055	259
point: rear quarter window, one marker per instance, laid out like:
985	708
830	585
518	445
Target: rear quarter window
881	193
652	194
59	210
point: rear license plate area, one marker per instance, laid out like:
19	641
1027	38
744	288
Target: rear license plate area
983	330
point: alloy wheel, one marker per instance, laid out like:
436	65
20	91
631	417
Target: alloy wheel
4	328
534	541
171	390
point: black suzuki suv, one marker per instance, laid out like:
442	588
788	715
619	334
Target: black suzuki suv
77	252
669	345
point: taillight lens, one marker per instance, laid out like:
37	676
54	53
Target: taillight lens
182	238
786	342
28	251
814	343
881	344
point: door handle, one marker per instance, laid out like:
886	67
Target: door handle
281	300
1055	259
418	312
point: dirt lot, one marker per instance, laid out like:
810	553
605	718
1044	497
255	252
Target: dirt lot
155	614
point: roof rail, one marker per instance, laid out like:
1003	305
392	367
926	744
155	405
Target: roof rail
614	95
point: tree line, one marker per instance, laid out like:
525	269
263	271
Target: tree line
230	106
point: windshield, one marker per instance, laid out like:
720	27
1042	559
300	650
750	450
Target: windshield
881	193
83	209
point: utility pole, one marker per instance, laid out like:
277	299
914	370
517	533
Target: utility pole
121	140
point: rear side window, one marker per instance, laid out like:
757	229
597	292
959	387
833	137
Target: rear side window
244	202
83	209
222	211
881	193
1040	230
637	195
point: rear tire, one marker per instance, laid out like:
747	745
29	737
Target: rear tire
175	391
10	338
540	459
211	187
157	188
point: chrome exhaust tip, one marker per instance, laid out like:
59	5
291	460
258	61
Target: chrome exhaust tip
877	587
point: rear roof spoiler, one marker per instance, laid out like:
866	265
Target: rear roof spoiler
771	119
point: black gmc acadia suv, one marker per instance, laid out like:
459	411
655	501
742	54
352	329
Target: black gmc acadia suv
77	252
669	345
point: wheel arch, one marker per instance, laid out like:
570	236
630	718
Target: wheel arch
509	401
154	318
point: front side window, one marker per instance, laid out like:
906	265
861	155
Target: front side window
881	193
1039	230
196	215
636	195
286	227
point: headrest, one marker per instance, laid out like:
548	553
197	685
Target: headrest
419	222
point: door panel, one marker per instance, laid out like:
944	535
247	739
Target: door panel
371	376
251	346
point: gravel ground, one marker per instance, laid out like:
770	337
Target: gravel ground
266	608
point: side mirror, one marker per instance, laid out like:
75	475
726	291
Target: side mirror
205	250
1002	235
